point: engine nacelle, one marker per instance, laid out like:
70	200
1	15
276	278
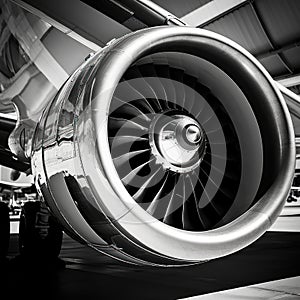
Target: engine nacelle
169	147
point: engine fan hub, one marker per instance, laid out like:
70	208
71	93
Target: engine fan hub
177	141
193	134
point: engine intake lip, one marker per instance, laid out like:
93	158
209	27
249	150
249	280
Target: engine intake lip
139	226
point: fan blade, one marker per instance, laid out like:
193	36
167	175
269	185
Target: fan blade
141	84
125	158
149	72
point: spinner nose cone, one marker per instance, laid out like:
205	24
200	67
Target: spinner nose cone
193	134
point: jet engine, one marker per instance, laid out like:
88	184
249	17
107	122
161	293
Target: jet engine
171	146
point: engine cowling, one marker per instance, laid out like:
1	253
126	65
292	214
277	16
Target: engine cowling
169	147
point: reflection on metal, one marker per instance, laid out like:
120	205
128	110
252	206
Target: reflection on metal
177	141
99	121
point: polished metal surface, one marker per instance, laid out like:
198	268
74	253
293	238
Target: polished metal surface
177	142
193	134
77	175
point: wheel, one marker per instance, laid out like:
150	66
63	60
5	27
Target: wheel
39	233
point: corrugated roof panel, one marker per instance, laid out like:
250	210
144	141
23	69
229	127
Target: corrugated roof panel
274	65
180	8
292	57
281	19
242	26
296	123
266	27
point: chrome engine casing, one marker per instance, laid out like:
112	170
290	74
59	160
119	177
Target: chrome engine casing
75	173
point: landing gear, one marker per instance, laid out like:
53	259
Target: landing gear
40	236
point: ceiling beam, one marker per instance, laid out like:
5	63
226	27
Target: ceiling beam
210	11
76	19
279	50
290	81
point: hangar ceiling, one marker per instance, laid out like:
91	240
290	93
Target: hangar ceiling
269	29
181	8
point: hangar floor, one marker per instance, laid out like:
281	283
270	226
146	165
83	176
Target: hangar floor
88	275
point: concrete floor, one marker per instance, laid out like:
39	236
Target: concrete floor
284	289
90	275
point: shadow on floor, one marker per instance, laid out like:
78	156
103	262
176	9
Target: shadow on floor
90	275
